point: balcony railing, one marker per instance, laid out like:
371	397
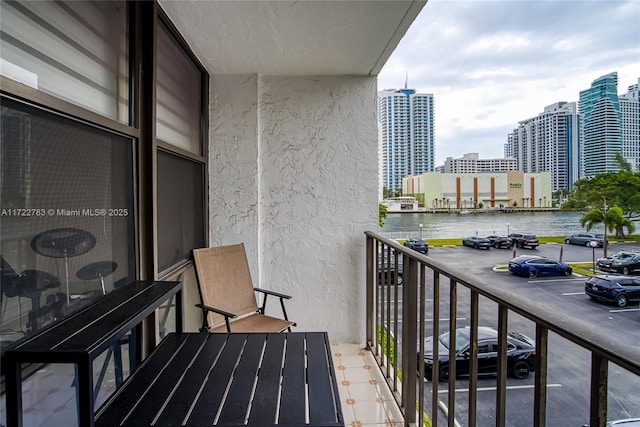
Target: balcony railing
404	287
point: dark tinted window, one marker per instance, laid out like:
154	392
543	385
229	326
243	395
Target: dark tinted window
180	209
67	227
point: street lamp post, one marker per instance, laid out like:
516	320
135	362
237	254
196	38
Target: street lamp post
593	255
508	225
606	242
421	230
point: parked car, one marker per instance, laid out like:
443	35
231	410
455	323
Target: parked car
477	242
533	266
417	245
520	353
524	240
585	239
629	422
500	241
622	262
387	266
616	289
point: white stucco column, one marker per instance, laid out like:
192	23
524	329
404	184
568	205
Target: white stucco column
301	189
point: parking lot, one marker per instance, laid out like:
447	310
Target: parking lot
568	364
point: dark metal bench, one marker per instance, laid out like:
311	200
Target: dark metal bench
81	337
255	379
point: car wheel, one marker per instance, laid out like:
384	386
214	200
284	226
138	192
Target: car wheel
444	373
567	241
533	274
567	272
520	370
475	246
520	245
625	271
399	279
588	244
622	300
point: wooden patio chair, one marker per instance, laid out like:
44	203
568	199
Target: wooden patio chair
227	293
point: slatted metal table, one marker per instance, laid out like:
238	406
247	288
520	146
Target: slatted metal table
81	337
258	379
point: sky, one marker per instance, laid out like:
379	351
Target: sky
491	64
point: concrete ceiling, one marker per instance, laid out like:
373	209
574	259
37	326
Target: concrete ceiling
310	37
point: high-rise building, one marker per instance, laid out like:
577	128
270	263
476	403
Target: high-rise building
472	163
630	123
600	126
549	142
406	135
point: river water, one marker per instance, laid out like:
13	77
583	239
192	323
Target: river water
442	225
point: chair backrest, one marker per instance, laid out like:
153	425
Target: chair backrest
224	281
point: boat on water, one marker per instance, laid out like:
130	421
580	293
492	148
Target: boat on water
465	212
402	204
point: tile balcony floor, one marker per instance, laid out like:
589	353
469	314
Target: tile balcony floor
365	396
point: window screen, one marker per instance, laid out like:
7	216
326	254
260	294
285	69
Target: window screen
67	217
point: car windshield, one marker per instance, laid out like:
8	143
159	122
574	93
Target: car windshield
622	256
462	340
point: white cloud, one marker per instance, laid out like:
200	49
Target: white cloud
491	64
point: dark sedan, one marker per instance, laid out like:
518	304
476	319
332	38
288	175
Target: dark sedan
616	289
500	241
417	245
477	242
622	262
520	353
533	266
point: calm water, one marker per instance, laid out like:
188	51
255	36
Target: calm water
483	224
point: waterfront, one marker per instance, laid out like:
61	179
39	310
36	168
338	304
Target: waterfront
443	225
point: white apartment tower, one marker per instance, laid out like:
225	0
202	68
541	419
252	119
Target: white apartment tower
549	143
406	135
630	123
472	163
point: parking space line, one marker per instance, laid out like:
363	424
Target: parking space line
556	280
442	320
572	293
623	310
513	387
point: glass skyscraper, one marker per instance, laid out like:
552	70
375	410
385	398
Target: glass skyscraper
600	126
406	135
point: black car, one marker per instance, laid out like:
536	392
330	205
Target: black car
617	289
520	353
525	240
387	267
477	242
500	241
417	245
585	239
622	262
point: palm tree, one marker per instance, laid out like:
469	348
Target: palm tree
612	219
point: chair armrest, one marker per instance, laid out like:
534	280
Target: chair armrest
227	316
279	295
216	310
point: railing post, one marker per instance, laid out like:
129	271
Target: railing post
371	283
409	338
599	382
435	367
540	394
501	384
453	325
473	359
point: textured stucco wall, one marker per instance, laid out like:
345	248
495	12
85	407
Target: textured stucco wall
294	175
